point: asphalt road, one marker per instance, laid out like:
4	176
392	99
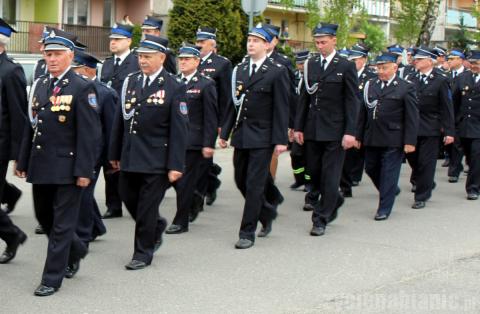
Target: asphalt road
418	261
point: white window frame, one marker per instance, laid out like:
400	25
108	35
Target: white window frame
17	9
112	13
75	12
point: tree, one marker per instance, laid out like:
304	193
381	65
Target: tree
428	24
226	16
374	36
409	15
347	14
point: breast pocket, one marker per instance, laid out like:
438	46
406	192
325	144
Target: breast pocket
262	89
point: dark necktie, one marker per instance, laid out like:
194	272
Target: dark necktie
117	63
184	80
254	66
423	78
454	74
324	64
384	84
51	87
147	82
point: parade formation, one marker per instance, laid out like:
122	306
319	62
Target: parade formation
150	119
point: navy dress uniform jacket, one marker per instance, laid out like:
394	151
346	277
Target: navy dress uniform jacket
332	111
40	69
394	122
263	120
115	77
13	107
154	140
434	104
61	148
466	99
201	96
108	103
219	69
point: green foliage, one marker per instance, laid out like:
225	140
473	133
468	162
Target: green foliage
374	36
186	16
410	15
342	13
136	35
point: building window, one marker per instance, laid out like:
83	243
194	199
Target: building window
8	10
108	13
76	12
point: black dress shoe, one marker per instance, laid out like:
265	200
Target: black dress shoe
414	188
398	191
39	230
112	214
307	188
472	196
446	163
11	249
135	265
243	244
72	269
347	193
16	194
317	231
44	291
266	229
308	207
210	198
380	217
453	179
334	215
175	229
295	185
418	205
355	183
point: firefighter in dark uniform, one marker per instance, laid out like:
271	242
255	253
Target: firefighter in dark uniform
13	120
388	126
355	158
148	144
455	60
436	115
201	98
398	50
219	69
90	224
113	72
259	128
153	26
57	156
297	153
326	122
466	99
41	67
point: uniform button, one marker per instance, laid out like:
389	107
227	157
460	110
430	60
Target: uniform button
40	121
247	91
469	116
135	122
136	113
245	109
39	133
244	118
71	153
469	99
39	147
134	132
43	108
246	100
469	107
139	105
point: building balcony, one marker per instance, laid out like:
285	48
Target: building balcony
25	41
299	6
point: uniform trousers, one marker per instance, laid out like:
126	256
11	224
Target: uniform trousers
352	168
8	231
112	198
185	187
455	166
424	162
252	170
142	194
298	161
56	209
382	165
324	164
471	147
90	223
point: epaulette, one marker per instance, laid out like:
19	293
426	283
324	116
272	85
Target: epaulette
111	57
134	73
223	57
206	77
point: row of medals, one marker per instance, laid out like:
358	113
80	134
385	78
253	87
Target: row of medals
61	103
155	100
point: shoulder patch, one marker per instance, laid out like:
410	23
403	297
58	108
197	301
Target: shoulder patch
92	100
183	108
